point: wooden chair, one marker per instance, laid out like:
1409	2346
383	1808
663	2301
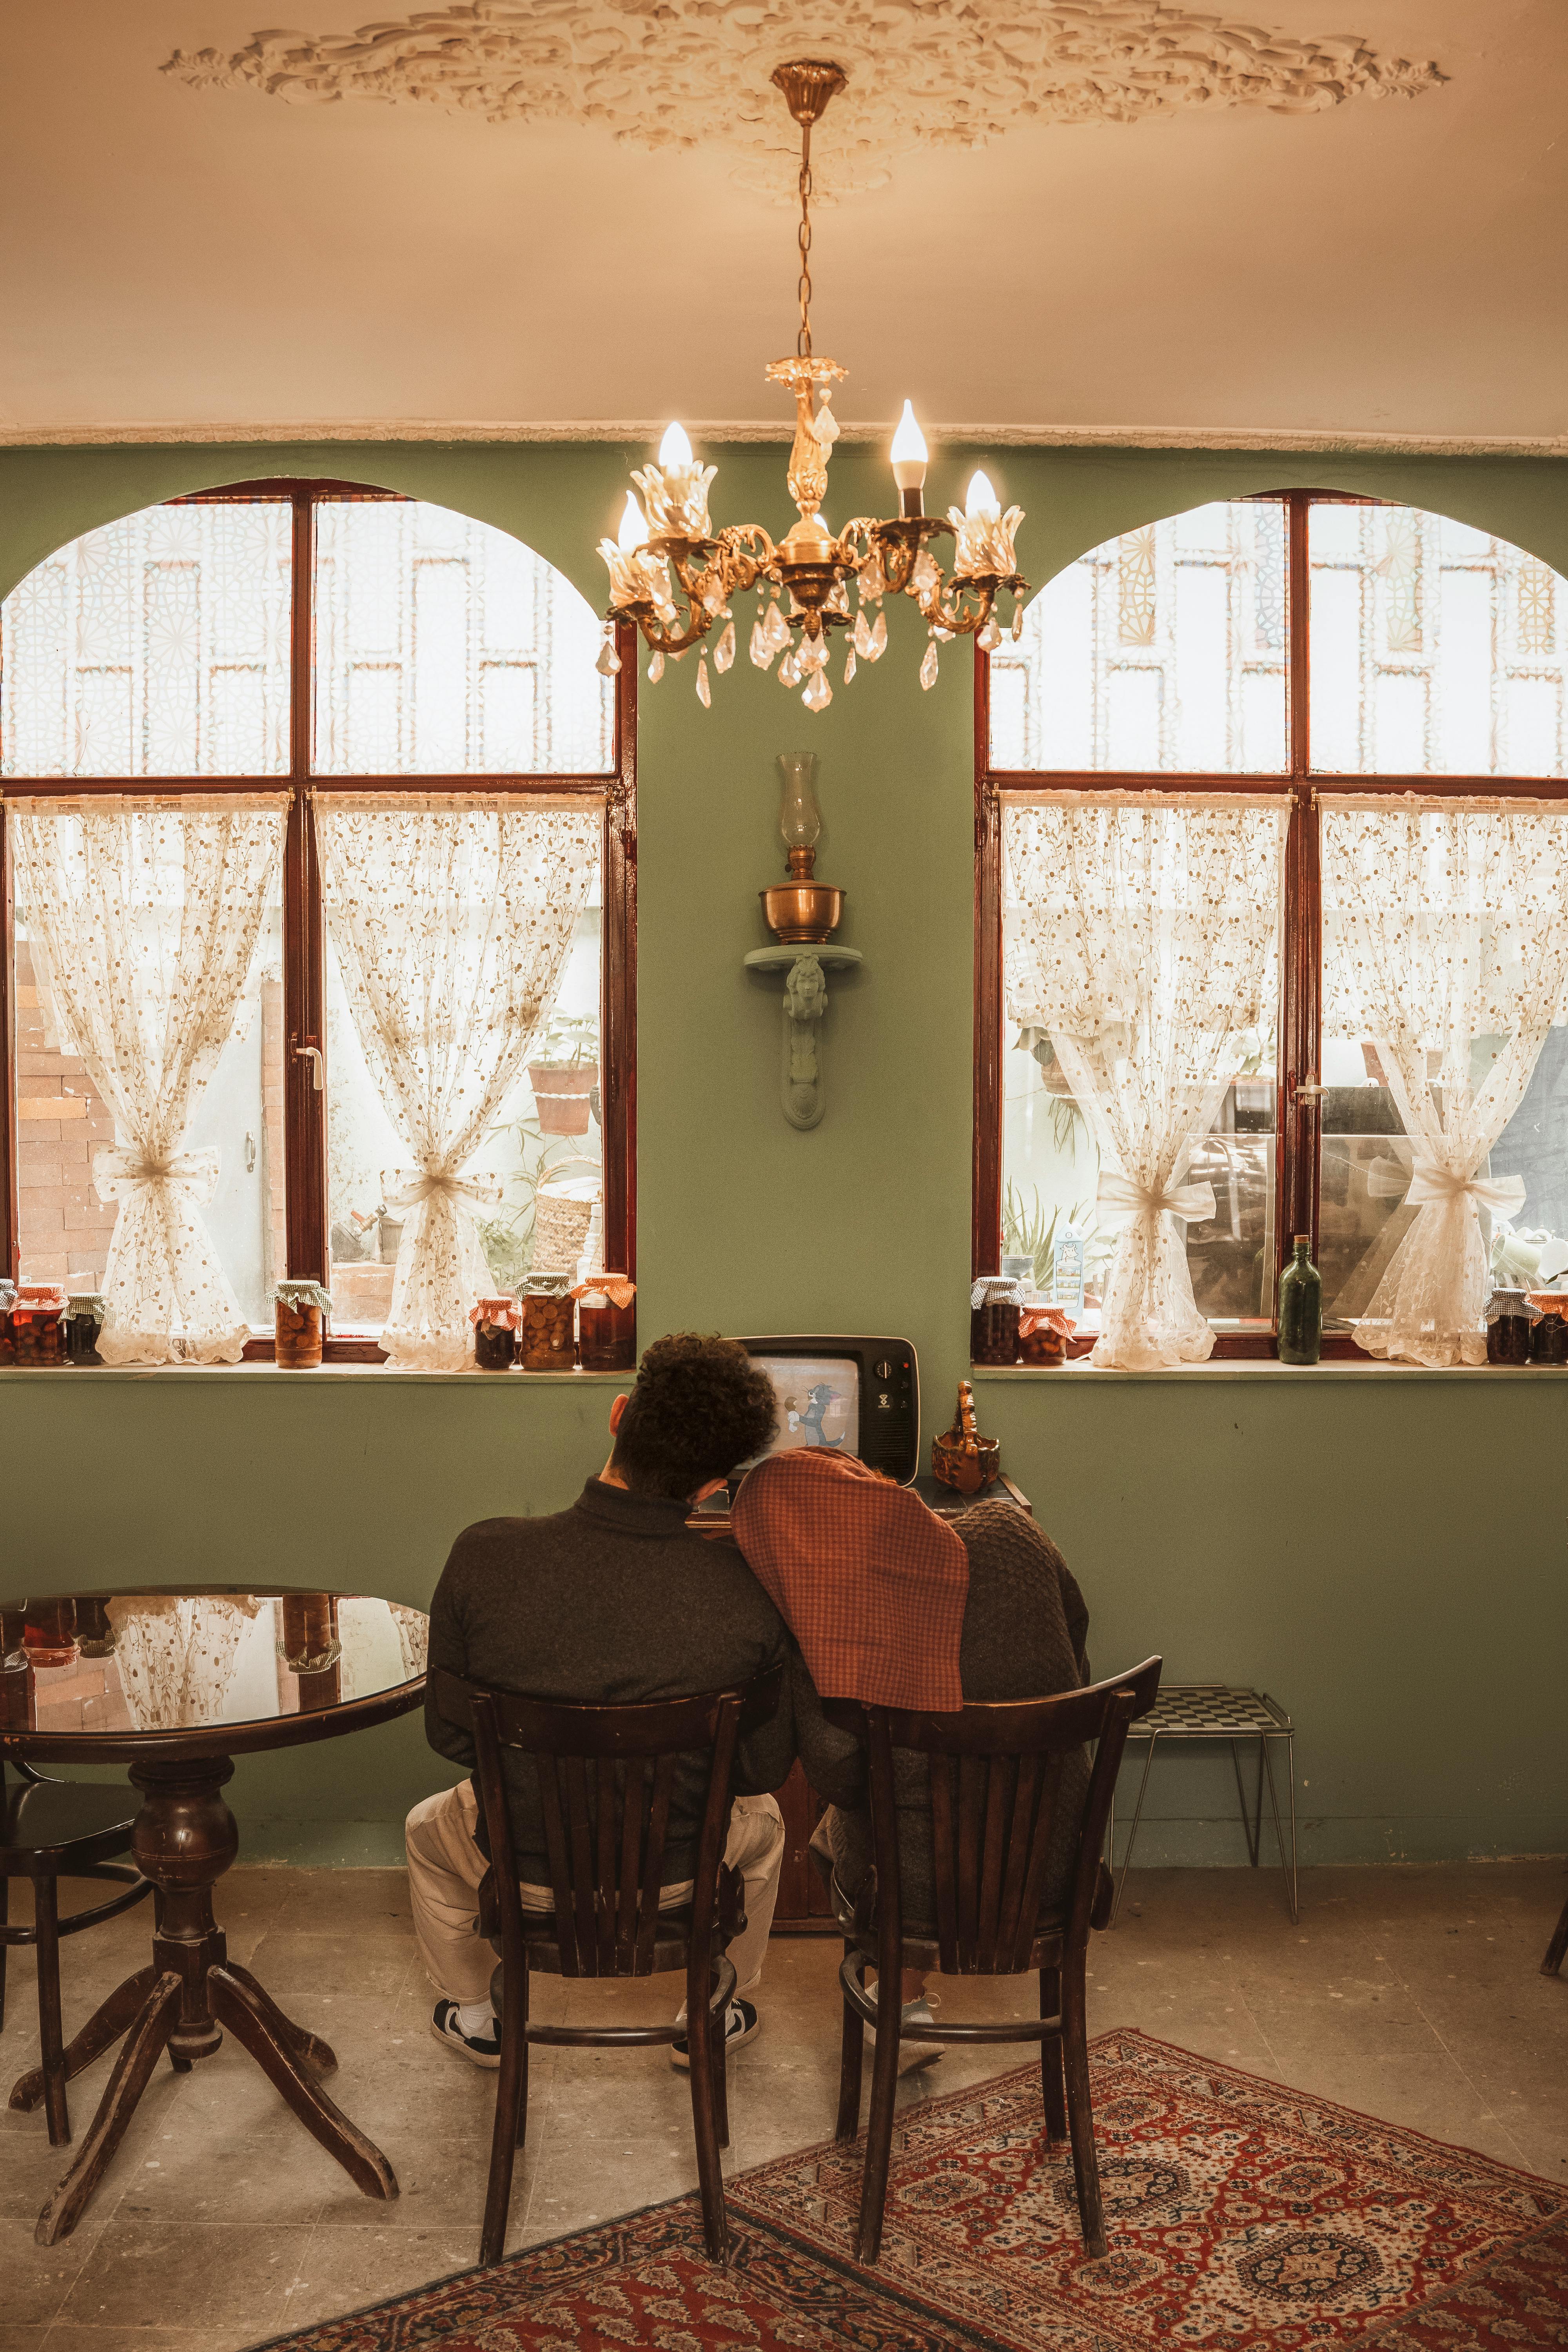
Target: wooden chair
995	1775
51	1830
605	1778
1558	1948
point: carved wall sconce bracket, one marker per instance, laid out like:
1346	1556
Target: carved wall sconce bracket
805	1004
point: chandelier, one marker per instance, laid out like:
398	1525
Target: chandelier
675	577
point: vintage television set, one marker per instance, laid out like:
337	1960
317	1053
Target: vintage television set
854	1395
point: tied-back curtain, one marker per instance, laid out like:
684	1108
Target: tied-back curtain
1141	932
144	917
1445	942
452	917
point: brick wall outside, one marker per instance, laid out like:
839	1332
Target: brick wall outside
61	1120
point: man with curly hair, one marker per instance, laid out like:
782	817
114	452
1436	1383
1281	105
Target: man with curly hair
613	1601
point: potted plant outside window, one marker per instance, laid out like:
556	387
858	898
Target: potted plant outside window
566	1077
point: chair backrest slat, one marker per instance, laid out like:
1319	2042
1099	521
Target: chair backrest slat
606	1774
942	1809
658	1826
559	1865
634	1820
1025	1800
999	1777
996	1775
574	1772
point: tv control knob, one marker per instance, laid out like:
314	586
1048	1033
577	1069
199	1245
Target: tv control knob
883	1371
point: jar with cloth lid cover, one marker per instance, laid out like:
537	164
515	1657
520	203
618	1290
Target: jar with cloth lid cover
495	1322
607	1323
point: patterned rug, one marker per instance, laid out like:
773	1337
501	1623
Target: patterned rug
1240	2214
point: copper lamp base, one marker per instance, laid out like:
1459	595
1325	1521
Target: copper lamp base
802	912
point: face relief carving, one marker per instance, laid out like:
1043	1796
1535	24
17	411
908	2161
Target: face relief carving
689	73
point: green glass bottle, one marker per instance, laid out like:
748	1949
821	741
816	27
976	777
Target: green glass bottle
1300	1339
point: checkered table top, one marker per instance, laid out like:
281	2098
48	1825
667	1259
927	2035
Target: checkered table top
1211	1711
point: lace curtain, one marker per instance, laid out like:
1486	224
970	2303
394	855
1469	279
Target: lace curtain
452	917
143	917
1141	932
1445	934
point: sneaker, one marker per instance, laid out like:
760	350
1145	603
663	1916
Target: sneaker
480	2050
912	2055
742	2025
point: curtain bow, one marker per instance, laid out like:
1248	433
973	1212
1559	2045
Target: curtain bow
449	1181
1194	1204
118	1168
1431	1182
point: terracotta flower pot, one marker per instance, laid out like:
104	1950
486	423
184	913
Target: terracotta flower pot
560	1093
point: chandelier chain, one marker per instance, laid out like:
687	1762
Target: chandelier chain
803	340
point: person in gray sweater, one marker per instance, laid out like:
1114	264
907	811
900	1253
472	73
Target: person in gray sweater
1025	1627
614	1601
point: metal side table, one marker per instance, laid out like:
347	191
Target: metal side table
1218	1711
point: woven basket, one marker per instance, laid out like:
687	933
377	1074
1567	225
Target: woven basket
561	1215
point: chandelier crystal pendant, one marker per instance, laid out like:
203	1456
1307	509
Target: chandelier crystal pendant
675	577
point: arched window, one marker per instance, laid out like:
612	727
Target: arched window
325	781
1274	839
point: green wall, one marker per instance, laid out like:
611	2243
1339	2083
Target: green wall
1384	1550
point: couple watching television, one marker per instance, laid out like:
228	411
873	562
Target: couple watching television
618	1601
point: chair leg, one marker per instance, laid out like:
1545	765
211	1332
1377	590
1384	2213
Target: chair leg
511	2117
5	1947
51	2037
1081	2113
721	2076
1555	1949
705	2127
1051	2058
880	2124
851	2061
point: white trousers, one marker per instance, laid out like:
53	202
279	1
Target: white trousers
446	1865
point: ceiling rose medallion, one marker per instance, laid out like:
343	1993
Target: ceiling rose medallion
675	577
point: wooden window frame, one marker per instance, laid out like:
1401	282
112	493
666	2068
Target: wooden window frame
1297	1122
304	959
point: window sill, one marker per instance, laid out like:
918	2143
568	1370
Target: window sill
252	1372
1242	1368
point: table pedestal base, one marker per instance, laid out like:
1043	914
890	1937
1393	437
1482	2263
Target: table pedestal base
185	1839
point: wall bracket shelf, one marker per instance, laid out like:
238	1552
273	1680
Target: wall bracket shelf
805	1004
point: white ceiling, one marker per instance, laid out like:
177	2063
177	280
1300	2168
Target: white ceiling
178	258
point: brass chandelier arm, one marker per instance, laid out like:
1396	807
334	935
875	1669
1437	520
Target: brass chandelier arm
963	608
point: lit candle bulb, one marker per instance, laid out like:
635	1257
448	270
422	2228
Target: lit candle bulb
985	534
676	489
909	455
635	577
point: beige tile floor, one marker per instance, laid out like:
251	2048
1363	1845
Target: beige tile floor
1412	1994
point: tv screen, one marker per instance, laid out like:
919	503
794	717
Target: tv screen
819	1401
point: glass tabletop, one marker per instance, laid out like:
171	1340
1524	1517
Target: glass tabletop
111	1664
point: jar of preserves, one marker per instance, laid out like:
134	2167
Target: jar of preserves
1043	1331
8	1301
1549	1333
84	1320
994	1313
300	1310
545	1341
37	1334
495	1322
607	1324
1510	1320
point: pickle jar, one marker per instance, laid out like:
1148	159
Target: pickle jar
37	1334
495	1322
607	1324
545	1341
300	1315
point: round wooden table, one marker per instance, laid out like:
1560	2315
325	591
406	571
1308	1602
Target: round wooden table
175	1681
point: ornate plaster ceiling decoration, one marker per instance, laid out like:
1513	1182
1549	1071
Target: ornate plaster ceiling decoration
689	73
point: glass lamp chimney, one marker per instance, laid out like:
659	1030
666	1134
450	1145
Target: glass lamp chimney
800	819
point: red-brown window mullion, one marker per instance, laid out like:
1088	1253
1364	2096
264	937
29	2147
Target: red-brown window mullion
10	1238
985	1211
304	980
617	974
1301	957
